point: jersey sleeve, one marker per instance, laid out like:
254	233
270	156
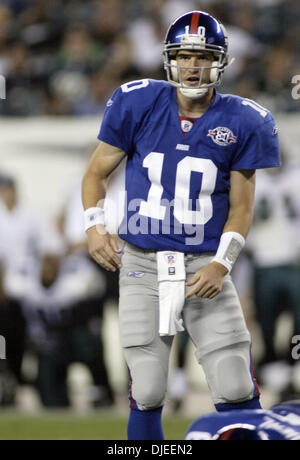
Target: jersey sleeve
117	127
259	149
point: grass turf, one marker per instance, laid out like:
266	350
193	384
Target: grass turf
72	427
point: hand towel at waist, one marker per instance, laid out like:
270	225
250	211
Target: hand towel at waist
171	280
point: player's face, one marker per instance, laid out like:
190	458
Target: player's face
50	269
9	195
195	60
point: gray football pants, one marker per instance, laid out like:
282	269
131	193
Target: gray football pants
217	329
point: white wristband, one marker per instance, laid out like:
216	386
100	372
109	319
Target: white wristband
93	217
231	244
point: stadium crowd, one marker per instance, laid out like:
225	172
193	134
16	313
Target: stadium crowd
64	57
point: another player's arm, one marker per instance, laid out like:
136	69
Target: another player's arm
102	245
208	282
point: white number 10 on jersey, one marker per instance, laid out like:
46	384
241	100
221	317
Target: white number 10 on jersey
154	208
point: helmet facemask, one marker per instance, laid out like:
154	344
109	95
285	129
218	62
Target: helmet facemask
174	71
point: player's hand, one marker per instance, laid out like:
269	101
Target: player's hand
207	282
104	249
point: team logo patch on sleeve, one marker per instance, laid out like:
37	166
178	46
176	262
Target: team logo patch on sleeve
222	136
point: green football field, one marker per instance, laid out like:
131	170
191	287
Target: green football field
55	426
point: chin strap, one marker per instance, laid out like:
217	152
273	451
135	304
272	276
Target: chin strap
193	93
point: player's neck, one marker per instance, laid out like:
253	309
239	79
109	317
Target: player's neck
194	108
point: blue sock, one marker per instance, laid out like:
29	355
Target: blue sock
251	404
145	425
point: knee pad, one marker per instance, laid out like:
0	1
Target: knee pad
228	374
149	384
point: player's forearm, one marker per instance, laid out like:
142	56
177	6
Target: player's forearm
93	190
239	221
241	199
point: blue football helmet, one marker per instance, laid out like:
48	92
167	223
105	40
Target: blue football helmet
196	31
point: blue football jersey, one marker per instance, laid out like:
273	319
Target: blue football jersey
279	423
177	186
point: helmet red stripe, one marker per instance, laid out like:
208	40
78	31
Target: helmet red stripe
195	23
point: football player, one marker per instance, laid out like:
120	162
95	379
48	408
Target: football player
280	423
190	156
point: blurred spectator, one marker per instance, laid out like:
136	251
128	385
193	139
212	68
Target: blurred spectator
21	238
78	57
21	232
278	68
109	26
78	51
94	101
243	46
109	21
63	304
12	328
6	26
21	100
146	36
274	246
